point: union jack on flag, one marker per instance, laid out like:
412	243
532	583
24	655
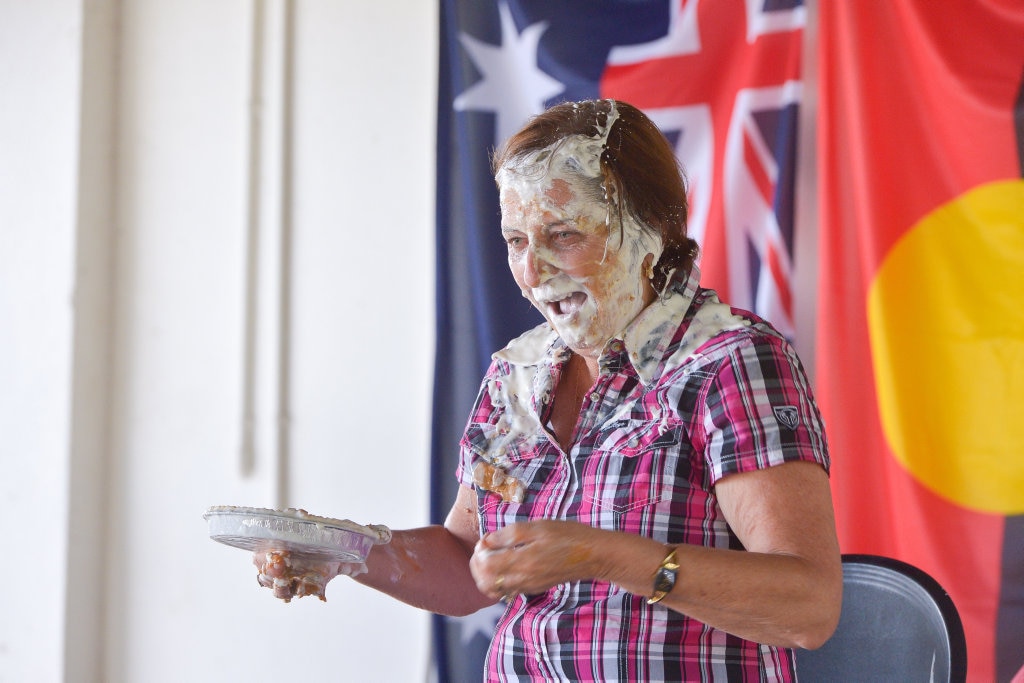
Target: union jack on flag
725	83
721	78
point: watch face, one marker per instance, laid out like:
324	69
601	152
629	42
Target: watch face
665	579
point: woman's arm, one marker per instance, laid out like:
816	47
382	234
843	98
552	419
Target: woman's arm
429	567
785	589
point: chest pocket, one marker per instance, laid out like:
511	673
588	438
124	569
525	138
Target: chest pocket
634	476
530	460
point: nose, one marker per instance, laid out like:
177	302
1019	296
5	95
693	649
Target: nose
534	267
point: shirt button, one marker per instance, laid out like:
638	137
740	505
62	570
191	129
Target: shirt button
595	397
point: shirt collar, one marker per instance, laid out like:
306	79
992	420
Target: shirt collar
646	339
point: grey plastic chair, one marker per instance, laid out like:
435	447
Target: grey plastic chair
897	624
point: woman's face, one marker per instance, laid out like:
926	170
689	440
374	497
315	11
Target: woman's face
588	286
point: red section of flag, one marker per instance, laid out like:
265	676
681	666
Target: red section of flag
915	109
764	184
726	63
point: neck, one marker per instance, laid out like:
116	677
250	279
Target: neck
585	370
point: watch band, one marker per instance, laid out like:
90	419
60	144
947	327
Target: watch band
664	578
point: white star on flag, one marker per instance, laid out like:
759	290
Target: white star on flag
513	86
481	622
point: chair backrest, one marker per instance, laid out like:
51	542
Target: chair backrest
897	624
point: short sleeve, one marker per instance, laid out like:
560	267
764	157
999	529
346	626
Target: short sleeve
758	409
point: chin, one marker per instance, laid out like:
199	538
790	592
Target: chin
580	345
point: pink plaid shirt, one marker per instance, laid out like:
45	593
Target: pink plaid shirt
694	391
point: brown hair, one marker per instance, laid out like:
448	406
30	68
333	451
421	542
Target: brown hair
640	172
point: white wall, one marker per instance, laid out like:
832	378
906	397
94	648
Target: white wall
125	158
38	135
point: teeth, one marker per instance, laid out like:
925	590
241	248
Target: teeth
570	304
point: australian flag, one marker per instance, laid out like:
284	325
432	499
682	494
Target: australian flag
721	78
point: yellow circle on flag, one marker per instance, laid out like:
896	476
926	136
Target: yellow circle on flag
946	322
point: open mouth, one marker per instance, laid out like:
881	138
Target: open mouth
567	306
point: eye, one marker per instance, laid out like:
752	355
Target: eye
513	241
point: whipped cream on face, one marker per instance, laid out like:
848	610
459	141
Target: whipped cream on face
550	187
561	295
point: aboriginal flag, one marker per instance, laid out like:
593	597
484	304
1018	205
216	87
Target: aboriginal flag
721	78
920	341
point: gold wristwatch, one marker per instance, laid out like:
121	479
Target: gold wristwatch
664	578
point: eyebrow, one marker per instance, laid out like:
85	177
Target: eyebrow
546	227
557	224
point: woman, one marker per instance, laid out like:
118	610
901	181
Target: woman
644	476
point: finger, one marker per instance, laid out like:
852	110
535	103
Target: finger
490	542
283	590
488	581
501	589
352	569
510	536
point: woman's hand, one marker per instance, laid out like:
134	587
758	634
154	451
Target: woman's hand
530	557
291	575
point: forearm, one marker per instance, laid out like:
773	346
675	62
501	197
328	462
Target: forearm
771	598
786	587
427	568
776	599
